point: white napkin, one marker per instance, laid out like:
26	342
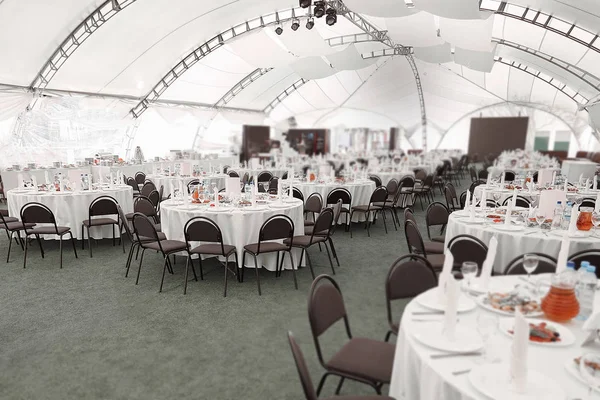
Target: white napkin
489	178
553	178
47	177
468	200
452	295
518	356
514	199
444	276
573	221
566	185
488	264
483	201
531	212
508	216
580	178
502	178
595	183
597	203
531	186
563	254
181	189
587	184
472	213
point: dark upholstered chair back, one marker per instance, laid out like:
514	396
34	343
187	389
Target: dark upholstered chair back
379	195
37	213
233	174
275	228
375	179
131	182
392	186
144	227
413	237
125	223
326	304
546	264
314	203
264	176
593	256
147	188
143	205
467	248
305	379
140	178
339	194
408	277
297	193
103	205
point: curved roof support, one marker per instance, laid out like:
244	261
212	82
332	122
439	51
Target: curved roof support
295	86
241	85
84	30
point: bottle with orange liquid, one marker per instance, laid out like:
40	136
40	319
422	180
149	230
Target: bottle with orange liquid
561	304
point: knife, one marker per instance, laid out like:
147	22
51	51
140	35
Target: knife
450	355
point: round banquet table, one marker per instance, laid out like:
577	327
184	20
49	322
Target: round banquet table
72	208
239	226
386	177
515	243
361	192
416	376
278	172
170	183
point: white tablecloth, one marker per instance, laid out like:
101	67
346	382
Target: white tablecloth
239	227
73	208
572	169
171	183
361	193
417	377
386	177
12	179
513	244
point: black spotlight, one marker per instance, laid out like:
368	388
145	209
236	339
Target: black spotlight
319	9
310	23
305	3
279	30
295	24
331	17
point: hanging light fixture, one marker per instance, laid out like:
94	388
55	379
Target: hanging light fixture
305	3
331	17
319	9
279	29
310	23
295	24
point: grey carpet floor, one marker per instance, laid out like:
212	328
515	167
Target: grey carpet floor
87	332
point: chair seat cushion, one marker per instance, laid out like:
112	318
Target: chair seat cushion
368	359
213	249
158	227
161	236
168	246
308	230
4	212
10	219
99	222
434	247
441	238
129	216
308	223
436	260
49	230
304	241
380	204
364	208
265	247
18	226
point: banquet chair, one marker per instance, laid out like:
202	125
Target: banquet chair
520	202
225	169
147	188
375	179
306	380
535	176
450	204
37	213
392	188
285	175
345	196
149	239
277	227
319	234
593	256
202	229
467	248
140	177
264	176
101	207
424	189
407	185
463	200
489	203
132	238
313	205
379	195
482	174
12	226
431	247
297	194
416	245
474	185
190	184
131	182
154	198
408	277
420	175
233	174
273	184
438	179
509	176
437	214
588	202
473	173
337	210
360	359
546	264
7	219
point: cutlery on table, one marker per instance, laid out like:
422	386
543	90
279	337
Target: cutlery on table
461	372
428	320
427	313
450	355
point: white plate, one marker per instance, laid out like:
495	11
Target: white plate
218	209
475	221
482	304
254	208
466	339
493	381
573	369
576	234
429	300
567	337
508	228
276	205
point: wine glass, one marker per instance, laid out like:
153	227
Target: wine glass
588	373
497	196
487	324
265	186
469	270
540	218
530	263
596	219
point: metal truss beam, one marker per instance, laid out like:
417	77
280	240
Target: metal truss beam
295	86
84	30
241	85
208	47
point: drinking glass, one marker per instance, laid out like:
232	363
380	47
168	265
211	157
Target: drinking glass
487	324
497	196
596	219
530	263
540	218
265	186
469	271
589	375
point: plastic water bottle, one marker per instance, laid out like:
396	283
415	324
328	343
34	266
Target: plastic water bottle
587	292
579	273
558	215
567	215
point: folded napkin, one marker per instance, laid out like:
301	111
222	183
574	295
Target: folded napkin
483	201
472	213
514	198
566	185
553	178
573	221
580	178
597	203
468	200
531	186
595	183
508	216
488	264
563	254
502	178
518	356
34	182
531	212
452	295
444	276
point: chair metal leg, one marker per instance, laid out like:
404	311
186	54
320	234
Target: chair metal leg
333	251
383	218
60	248
368	223
89	241
256	266
73	243
388	335
169	266
242	266
293	268
339	386
187	264
114	237
320	249
226	273
129	258
9	246
237	266
201	269
37	237
322	382
140	267
83	237
163	274
280	265
309	262
25	255
329	256
277	270
350	225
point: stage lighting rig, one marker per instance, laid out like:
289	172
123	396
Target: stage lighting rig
319	10
279	30
305	3
295	24
331	17
310	23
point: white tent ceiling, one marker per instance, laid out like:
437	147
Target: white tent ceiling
454	41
